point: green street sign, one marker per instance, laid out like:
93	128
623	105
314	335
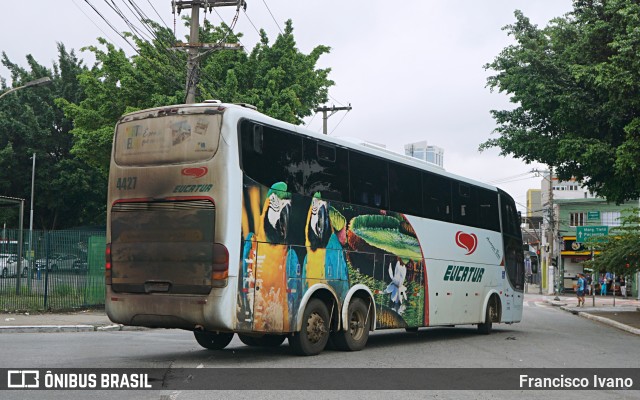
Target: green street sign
585	232
593	216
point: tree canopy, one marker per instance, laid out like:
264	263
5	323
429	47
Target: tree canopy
620	250
278	79
70	123
576	88
68	192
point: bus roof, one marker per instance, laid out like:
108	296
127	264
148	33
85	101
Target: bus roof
249	111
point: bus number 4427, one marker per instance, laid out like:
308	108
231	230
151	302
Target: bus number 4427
127	183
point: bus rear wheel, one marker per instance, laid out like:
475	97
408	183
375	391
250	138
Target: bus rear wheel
313	337
490	314
262	341
212	340
356	334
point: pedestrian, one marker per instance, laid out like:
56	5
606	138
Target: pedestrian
582	282
603	287
587	286
623	287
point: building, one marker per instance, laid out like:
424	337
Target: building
574	213
425	152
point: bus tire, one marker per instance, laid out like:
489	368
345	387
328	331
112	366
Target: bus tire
485	327
355	337
212	340
313	337
262	341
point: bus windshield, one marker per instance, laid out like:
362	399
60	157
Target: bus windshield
169	139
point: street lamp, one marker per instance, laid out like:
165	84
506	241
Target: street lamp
40	81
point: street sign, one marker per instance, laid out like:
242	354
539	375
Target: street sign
593	215
585	232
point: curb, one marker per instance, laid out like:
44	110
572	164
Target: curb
604	320
610	322
68	328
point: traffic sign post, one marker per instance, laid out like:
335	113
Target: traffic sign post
584	233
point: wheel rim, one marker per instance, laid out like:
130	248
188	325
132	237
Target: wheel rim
356	325
316	329
493	313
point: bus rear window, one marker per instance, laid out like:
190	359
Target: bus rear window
170	139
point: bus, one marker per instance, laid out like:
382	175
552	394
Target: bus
223	221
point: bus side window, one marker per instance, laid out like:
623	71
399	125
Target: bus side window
488	216
465	205
369	180
405	189
257	139
271	155
436	197
324	167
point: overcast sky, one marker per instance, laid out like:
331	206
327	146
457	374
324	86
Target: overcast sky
411	70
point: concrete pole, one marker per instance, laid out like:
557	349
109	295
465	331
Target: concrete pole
192	62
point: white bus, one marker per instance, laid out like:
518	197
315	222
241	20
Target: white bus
224	221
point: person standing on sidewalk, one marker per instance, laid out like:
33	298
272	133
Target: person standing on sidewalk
580	289
623	287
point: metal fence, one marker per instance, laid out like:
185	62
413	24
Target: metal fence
61	270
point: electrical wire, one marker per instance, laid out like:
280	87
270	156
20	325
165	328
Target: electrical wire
111	26
92	21
251	22
274	18
339	122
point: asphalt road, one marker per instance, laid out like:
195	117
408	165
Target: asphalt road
547	338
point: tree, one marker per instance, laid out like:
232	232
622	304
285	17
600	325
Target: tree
280	80
68	192
576	87
620	250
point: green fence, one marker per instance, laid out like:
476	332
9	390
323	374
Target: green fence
63	271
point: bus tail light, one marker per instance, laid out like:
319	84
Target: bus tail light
220	266
107	267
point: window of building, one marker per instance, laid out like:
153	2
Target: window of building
610	218
577	219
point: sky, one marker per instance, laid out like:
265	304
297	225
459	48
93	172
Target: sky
411	71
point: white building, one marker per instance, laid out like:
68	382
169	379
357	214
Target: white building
425	152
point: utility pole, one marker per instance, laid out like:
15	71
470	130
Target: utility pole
332	110
552	223
194	46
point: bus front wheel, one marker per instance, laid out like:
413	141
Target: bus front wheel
356	334
212	340
313	337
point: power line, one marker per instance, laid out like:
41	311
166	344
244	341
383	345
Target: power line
339	122
161	19
92	21
274	18
251	22
111	25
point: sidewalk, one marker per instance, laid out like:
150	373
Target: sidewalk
624	315
80	321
